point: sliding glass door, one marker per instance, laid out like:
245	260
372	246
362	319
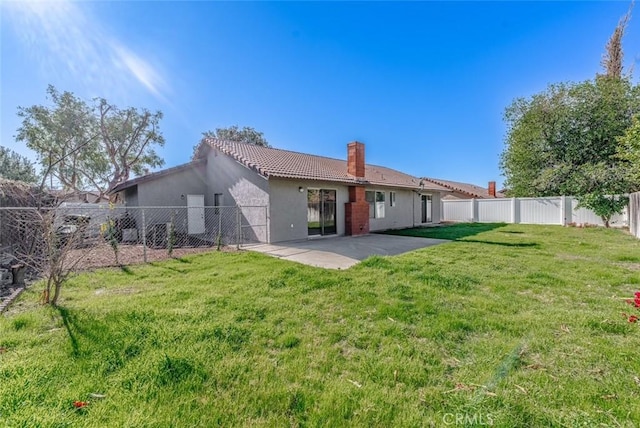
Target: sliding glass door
321	212
426	208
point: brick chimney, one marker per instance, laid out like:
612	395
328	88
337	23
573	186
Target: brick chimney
492	189
356	211
355	159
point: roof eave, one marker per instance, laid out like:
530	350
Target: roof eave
155	175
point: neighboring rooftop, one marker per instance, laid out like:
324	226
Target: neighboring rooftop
471	190
154	175
270	162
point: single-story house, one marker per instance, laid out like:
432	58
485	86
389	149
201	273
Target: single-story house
466	190
303	195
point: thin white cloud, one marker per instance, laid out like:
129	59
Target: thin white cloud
142	70
62	38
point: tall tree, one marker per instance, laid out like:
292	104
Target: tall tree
128	139
63	136
578	138
629	151
232	133
614	54
553	135
90	145
13	166
243	135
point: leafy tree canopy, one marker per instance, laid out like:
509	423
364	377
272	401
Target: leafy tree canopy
629	152
557	138
93	145
243	135
16	167
578	138
232	133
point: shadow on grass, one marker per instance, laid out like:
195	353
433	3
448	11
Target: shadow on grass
84	331
161	265
126	270
451	232
504	244
69	324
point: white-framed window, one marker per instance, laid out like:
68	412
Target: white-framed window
376	203
392	199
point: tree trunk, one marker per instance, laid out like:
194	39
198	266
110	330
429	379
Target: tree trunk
46	293
56	293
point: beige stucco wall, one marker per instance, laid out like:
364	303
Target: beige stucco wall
171	190
436	207
242	186
288	208
397	217
238	184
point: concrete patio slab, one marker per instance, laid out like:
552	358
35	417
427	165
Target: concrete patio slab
342	252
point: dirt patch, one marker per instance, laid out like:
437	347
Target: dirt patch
571	257
102	255
631	266
116	291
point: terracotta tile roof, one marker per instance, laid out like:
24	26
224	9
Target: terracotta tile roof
471	190
270	162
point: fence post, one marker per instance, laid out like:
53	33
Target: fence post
563	210
625	214
633	215
474	210
514	214
239	226
219	234
144	237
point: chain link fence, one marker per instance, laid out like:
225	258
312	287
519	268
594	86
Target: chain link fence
90	235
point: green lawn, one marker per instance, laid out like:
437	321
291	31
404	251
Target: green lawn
509	326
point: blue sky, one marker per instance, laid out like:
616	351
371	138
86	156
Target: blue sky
423	84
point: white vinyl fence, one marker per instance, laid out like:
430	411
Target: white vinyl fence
634	214
561	210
